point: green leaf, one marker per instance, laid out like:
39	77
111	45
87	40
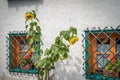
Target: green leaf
32	33
47	51
65	34
38	62
57	40
38	28
31	24
62	33
65	55
33	50
35	47
35	23
31	41
54	48
37	38
73	30
41	72
48	65
51	60
56	57
34	13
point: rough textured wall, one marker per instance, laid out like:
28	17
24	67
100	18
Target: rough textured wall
56	15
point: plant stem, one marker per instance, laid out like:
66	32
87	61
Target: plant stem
39	76
47	75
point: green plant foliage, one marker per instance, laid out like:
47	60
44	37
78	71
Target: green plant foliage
34	31
57	51
32	54
113	66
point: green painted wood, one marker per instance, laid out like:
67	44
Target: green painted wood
86	52
9	55
20	70
107	30
16	34
100	77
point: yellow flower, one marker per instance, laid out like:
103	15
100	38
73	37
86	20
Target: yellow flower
29	16
73	40
76	38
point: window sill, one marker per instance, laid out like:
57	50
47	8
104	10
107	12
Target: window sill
19	70
100	77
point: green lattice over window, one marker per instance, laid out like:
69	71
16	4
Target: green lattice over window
17	50
102	54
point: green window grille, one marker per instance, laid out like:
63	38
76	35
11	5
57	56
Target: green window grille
17	42
102	54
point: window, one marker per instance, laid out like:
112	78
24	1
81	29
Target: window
18	48
102	53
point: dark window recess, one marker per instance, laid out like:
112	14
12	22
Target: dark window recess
23	44
118	48
118	45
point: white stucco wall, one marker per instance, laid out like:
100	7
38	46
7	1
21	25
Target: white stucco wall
56	15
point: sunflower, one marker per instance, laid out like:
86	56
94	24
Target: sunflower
76	38
73	40
29	16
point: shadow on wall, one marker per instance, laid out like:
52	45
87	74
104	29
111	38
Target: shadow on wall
24	3
69	70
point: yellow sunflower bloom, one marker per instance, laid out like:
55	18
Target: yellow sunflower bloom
76	38
73	40
29	16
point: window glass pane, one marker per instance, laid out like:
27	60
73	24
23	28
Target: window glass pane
101	60
24	44
103	45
